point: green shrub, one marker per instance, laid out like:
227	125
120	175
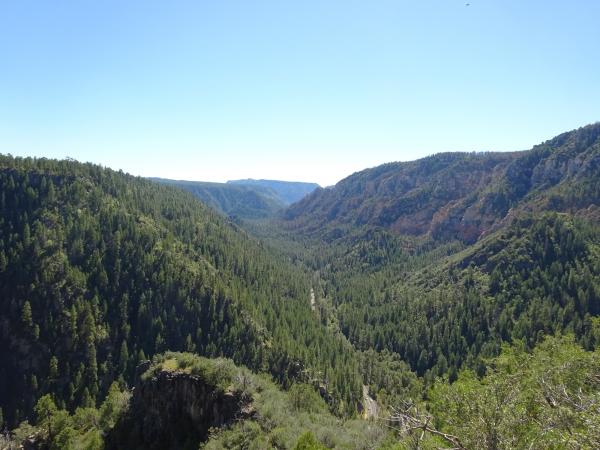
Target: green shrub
308	441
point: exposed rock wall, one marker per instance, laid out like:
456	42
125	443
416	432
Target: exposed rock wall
459	195
174	410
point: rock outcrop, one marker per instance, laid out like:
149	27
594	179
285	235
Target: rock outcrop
175	410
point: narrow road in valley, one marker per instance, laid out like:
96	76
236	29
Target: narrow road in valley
371	408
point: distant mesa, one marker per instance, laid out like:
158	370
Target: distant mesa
289	191
246	199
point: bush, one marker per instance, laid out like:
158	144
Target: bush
308	441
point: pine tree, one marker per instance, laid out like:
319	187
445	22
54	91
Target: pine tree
45	410
26	315
53	368
189	344
123	357
86	399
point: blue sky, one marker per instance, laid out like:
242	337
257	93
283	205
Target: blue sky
299	90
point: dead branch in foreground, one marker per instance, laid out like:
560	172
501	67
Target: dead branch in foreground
409	419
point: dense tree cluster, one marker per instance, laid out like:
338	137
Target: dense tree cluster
539	277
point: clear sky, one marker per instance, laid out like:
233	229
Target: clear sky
307	90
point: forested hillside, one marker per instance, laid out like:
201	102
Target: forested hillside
100	270
537	278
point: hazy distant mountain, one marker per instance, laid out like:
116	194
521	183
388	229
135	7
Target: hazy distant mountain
461	195
289	191
244	201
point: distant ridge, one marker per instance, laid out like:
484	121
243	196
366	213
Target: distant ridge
460	195
242	201
289	191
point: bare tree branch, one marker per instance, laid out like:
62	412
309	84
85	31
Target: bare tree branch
409	419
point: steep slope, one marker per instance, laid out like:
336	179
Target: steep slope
99	270
459	195
243	201
288	191
539	276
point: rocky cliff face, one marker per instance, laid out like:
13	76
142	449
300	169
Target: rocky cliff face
175	410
